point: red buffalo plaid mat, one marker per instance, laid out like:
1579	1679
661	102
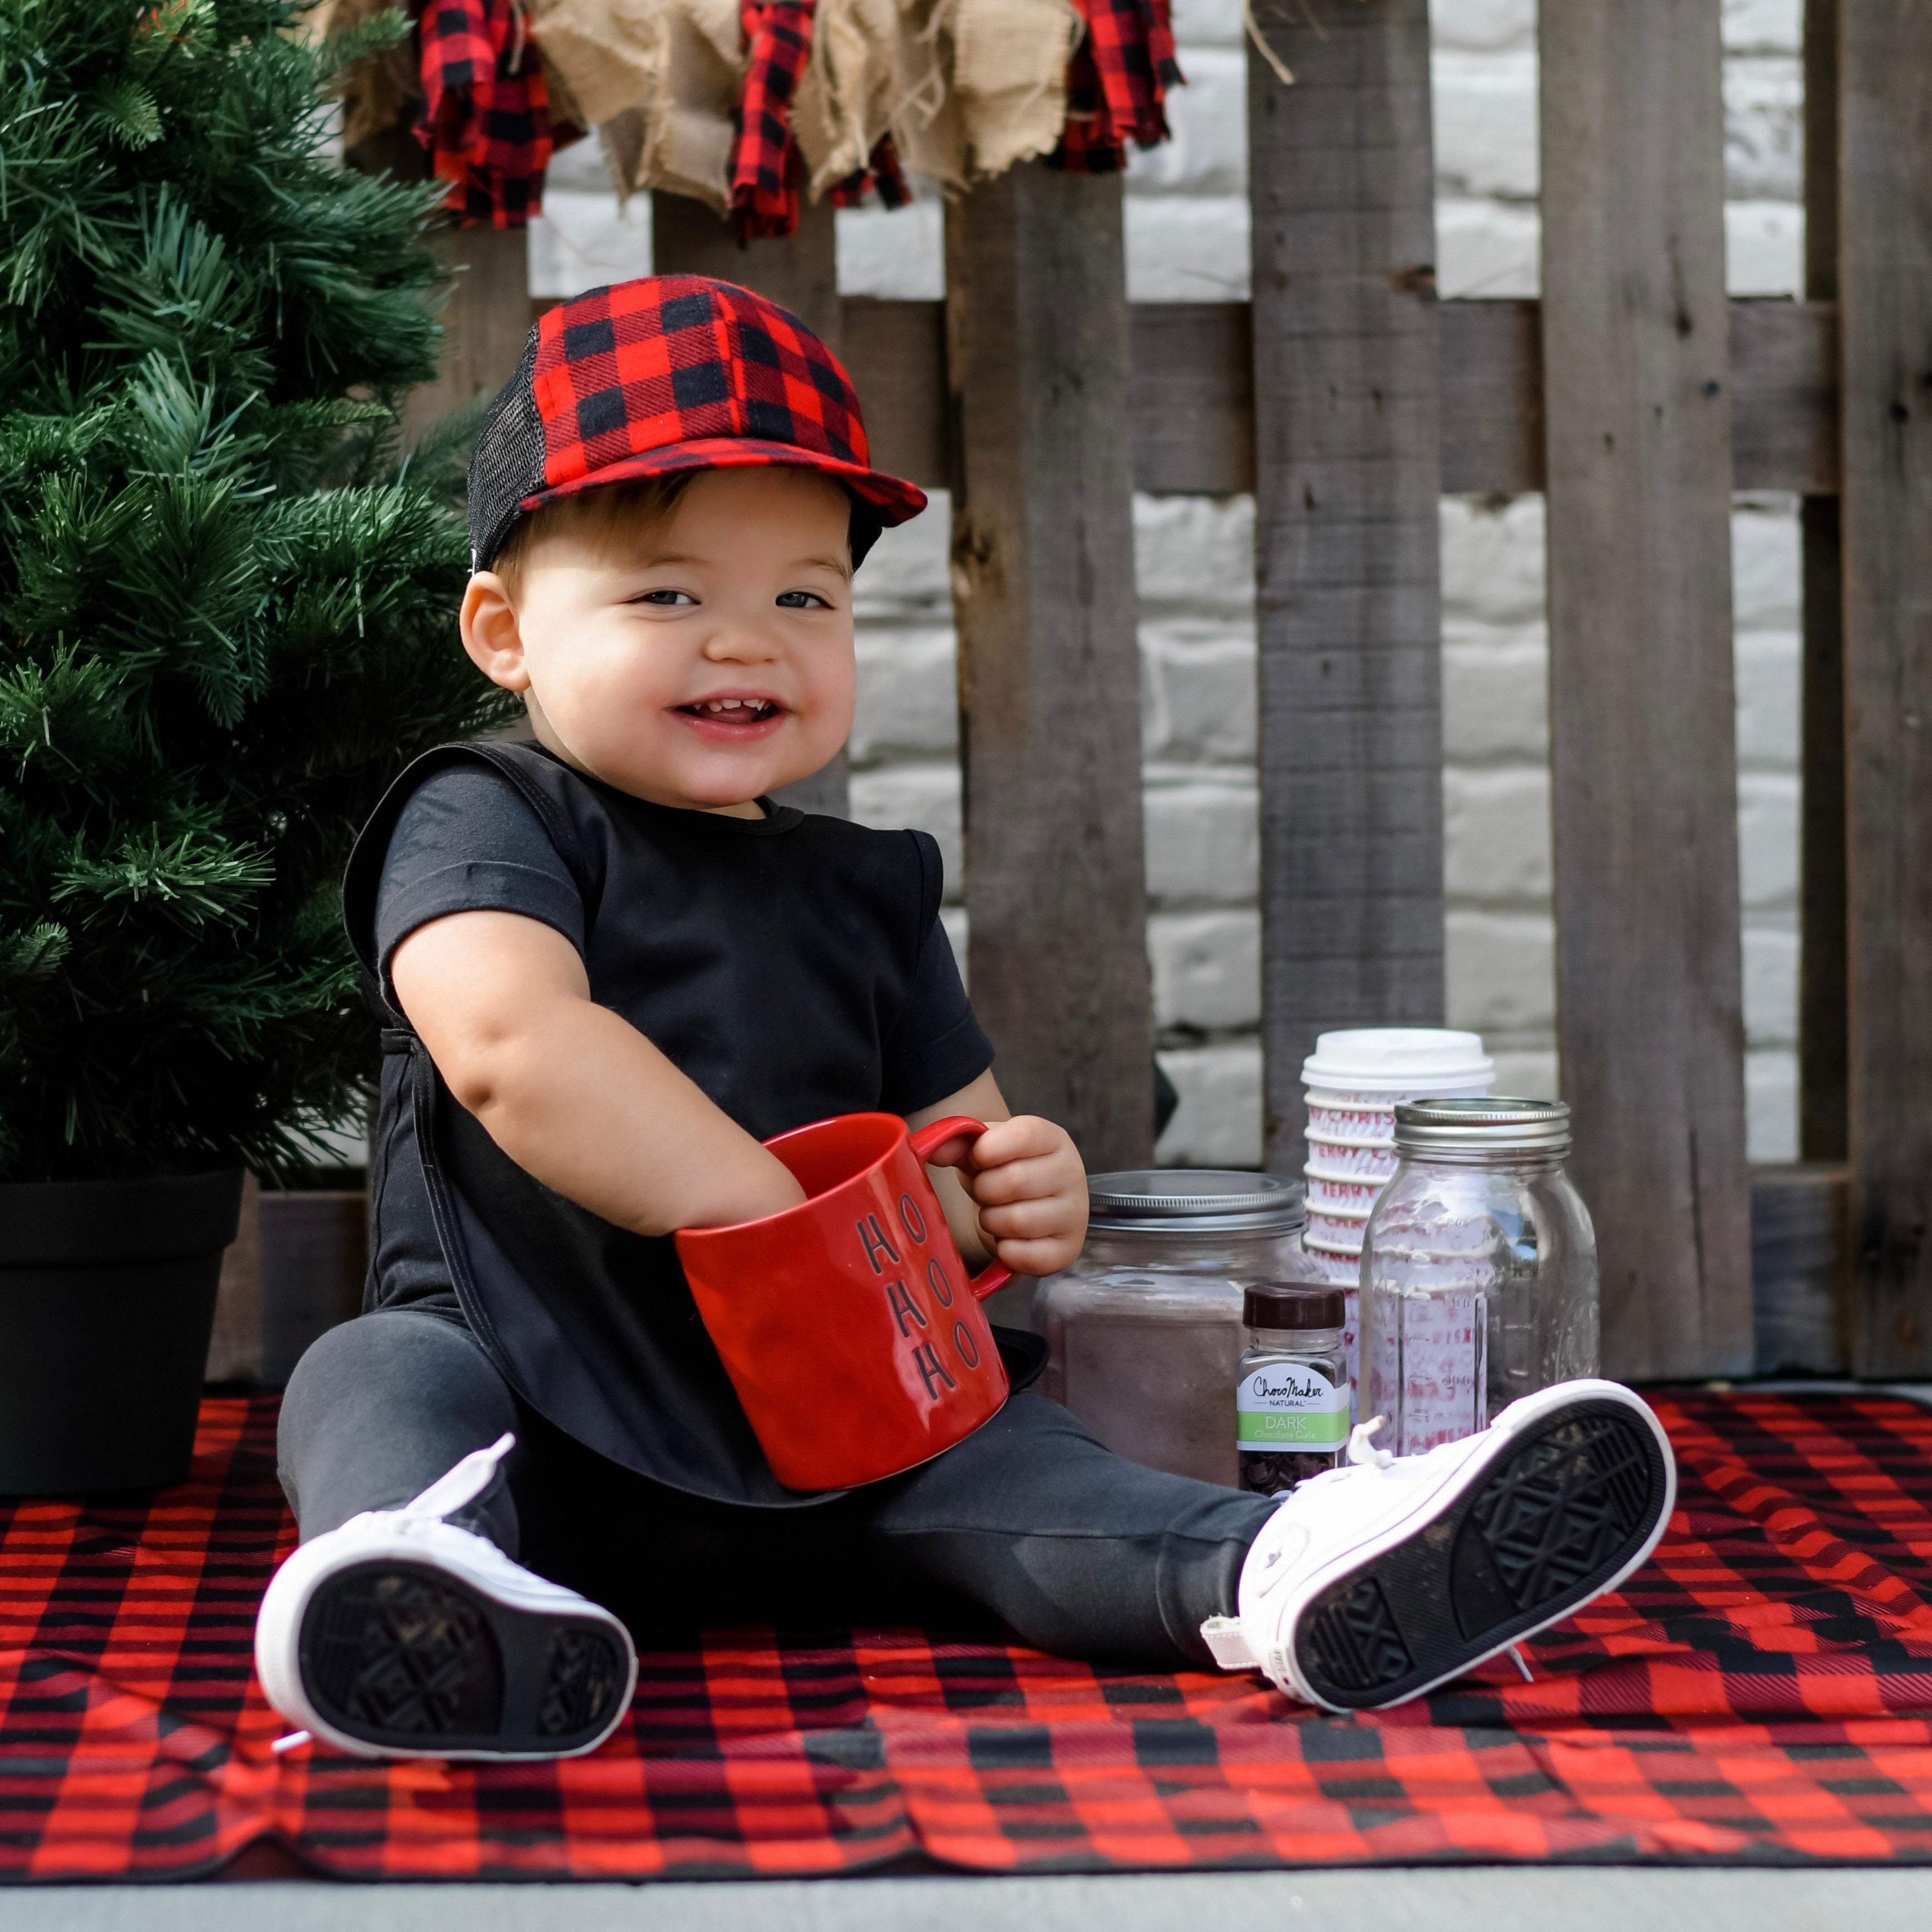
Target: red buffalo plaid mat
1761	1693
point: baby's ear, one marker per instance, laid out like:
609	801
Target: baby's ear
490	632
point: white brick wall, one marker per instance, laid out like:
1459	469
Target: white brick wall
1186	237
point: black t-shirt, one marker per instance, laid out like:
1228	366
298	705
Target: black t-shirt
793	967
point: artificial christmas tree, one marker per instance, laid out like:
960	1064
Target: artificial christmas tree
226	611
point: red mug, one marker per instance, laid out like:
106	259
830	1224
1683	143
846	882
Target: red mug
847	1324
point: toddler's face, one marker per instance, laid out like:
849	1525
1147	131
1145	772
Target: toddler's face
703	660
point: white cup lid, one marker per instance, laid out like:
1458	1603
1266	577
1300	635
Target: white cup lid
1389	1060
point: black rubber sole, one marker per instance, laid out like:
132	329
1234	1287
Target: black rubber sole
402	1655
1541	1531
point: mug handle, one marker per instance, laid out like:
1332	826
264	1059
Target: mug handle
927	1141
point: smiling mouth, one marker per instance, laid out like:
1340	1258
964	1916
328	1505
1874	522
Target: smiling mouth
732	710
727	721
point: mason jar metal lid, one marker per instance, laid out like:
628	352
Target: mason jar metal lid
1498	1125
1291	1304
1197	1200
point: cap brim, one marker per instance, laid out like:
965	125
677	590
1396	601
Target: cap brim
894	498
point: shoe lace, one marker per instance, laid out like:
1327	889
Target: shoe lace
1362	1454
460	1485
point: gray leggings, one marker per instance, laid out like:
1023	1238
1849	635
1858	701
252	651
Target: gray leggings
1030	1521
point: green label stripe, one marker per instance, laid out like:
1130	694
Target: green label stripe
1325	1431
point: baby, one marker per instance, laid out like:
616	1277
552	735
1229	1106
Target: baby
612	967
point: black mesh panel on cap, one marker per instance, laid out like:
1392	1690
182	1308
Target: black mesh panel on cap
507	464
868	520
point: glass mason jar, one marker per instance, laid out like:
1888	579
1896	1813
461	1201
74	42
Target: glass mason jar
1144	1331
1479	1269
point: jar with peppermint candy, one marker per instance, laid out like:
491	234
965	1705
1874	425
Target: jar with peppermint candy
1479	1273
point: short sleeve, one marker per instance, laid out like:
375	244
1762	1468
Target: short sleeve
937	1045
467	841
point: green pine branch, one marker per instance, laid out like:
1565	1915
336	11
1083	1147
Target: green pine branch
227	593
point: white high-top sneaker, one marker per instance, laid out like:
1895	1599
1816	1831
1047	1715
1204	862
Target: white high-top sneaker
1376	1581
400	1635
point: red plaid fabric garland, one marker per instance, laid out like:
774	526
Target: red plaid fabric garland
765	165
1117	84
1088	145
485	116
882	171
1760	1693
767	171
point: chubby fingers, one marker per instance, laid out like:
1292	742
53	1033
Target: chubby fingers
1030	1191
1037	1258
1007	1144
1036	1218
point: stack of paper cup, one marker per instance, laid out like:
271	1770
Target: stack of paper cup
1355	1080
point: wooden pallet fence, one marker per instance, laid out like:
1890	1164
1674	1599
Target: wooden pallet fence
1638	399
1884	96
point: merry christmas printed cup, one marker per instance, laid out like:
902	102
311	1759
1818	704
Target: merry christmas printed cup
1370	1161
1338	1227
1357	1191
848	1325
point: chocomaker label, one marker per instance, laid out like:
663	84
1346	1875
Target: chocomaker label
1290	1402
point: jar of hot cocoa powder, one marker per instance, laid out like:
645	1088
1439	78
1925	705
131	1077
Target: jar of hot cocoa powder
1144	1332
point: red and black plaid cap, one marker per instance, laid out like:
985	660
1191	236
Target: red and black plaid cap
665	373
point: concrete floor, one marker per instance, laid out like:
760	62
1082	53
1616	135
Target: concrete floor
1481	1899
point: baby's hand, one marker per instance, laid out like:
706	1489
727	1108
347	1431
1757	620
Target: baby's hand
1030	1190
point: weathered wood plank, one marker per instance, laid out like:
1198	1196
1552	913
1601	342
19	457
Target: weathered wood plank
1492	397
1348	471
1823	1040
1193	398
1192	405
485	322
1050	728
1650	1020
896	353
1798	1268
799	272
1784	396
1885	297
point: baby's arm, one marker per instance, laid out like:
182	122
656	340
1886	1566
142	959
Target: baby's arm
1020	1188
572	1094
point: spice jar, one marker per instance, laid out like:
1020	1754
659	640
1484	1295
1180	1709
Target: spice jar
1144	1331
1479	1269
1291	1393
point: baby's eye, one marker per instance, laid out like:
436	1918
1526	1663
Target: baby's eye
802	600
665	598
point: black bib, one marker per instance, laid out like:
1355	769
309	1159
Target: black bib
593	1326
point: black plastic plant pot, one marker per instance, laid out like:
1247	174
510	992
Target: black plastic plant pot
106	1302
